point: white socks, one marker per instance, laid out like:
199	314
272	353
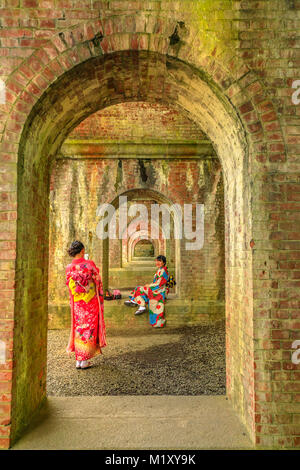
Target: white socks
81	364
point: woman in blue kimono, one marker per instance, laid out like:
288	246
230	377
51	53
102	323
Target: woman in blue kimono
153	294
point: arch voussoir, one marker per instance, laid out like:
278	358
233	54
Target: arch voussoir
110	34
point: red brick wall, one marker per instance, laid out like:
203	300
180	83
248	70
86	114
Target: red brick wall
146	122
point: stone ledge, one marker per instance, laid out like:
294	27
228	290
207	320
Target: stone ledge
178	313
77	149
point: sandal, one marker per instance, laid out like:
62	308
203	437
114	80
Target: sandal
131	303
86	366
140	311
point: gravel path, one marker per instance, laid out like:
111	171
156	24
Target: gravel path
185	361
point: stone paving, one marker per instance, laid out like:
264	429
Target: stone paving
131	422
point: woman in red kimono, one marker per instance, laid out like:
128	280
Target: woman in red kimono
88	334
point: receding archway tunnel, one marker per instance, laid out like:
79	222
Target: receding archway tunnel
143	249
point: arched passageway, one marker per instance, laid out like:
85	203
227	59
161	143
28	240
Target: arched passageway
86	88
159	157
143	249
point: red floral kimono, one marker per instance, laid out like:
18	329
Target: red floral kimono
88	334
154	295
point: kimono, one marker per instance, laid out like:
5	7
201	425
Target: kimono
87	335
154	295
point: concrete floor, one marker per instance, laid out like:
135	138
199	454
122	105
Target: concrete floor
136	422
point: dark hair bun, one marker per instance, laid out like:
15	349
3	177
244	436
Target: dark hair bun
75	248
162	258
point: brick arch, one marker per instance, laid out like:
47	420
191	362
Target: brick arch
95	38
81	90
138	240
159	245
131	241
